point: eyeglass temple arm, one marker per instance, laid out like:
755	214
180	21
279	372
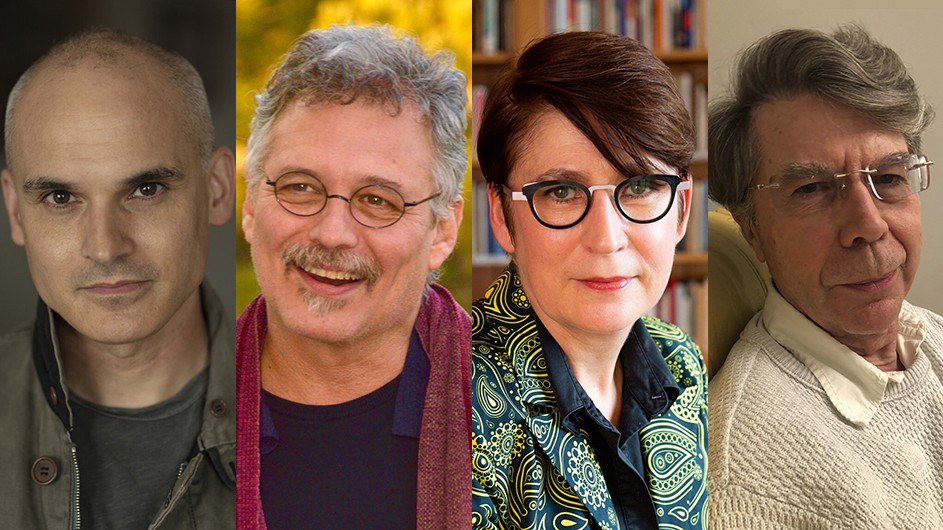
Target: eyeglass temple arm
417	203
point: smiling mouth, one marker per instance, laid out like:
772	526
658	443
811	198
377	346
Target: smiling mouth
331	277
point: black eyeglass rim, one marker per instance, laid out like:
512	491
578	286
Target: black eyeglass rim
530	189
349	200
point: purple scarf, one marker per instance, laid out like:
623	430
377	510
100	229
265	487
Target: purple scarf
444	469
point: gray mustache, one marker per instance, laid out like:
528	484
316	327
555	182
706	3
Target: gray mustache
308	256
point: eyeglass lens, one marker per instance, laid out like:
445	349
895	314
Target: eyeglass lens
374	205
889	182
563	203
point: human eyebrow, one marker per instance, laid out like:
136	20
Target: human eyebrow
376	180
561	174
889	159
160	175
44	184
805	171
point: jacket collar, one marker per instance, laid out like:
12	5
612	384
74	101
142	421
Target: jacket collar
218	427
518	332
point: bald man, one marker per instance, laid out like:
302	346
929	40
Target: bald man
116	404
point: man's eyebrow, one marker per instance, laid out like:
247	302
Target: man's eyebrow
889	159
157	174
381	181
42	183
799	170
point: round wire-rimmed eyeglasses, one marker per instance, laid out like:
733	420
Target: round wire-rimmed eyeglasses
561	204
373	205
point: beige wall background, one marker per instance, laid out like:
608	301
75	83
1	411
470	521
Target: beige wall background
914	29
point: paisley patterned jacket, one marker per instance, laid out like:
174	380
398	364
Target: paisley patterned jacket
530	472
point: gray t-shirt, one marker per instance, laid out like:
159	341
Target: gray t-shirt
129	459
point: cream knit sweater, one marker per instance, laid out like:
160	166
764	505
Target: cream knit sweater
781	457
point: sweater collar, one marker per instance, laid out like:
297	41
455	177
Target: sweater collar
854	386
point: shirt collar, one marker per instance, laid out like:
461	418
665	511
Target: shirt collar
216	428
648	387
853	385
407	413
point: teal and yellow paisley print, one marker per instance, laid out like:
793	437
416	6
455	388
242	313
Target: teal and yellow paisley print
529	472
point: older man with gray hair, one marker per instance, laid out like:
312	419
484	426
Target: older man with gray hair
829	410
353	368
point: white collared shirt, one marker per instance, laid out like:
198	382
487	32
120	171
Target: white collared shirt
853	385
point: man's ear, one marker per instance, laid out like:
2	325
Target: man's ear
13	207
248	216
748	228
222	186
446	234
499	224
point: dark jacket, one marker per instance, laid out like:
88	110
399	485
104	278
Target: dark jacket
40	481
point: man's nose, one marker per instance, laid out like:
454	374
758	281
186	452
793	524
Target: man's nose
105	236
334	226
860	217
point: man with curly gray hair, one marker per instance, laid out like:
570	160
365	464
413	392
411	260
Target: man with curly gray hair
827	412
353	367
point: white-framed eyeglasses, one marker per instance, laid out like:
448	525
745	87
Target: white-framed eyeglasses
561	204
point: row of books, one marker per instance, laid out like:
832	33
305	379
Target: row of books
662	25
685	305
485	248
693	90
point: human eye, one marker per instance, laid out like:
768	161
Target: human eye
561	193
807	188
59	199
892	176
298	188
642	187
148	190
373	200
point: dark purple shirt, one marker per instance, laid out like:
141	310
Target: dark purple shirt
351	465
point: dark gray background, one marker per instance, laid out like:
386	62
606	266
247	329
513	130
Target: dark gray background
202	31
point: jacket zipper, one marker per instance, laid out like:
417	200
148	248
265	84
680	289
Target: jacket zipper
76	514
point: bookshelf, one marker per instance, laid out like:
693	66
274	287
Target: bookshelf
676	31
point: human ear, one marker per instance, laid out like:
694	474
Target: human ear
222	186
13	207
499	225
748	229
446	235
686	196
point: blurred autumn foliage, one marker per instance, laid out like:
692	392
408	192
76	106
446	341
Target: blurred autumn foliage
265	29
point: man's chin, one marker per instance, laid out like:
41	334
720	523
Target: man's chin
116	333
321	306
871	318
